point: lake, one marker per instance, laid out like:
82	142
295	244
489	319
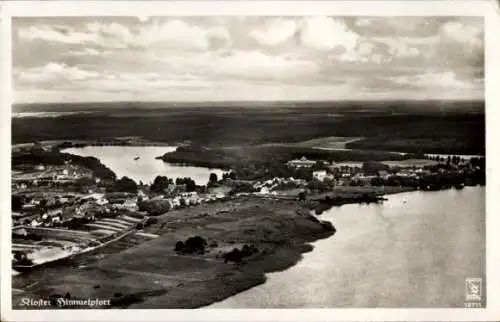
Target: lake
414	250
121	159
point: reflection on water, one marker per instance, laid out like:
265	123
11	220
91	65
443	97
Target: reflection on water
414	250
124	162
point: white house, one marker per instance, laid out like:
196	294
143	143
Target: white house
102	201
359	176
176	202
319	175
301	163
405	173
130	203
194	199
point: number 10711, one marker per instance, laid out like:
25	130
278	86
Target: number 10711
473	305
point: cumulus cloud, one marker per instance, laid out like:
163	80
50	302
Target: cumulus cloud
397	26
275	31
443	85
465	34
326	33
143	18
367	50
211	58
258	66
51	34
178	34
172	33
54	72
403	47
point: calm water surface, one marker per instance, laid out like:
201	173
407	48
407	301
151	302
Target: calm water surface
414	250
121	159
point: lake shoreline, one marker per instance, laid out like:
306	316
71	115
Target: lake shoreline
139	163
279	252
282	230
224	286
158	277
339	196
391	235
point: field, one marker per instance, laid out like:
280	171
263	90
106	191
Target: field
440	127
331	142
393	163
73	235
411	163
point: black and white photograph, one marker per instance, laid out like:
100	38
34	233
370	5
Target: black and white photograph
247	162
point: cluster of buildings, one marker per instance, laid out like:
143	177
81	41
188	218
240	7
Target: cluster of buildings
44	210
342	174
47	228
301	163
183	199
48	176
267	187
50	211
322	175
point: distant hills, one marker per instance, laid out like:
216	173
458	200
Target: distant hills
342	106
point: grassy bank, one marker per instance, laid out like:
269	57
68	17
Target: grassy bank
321	202
153	275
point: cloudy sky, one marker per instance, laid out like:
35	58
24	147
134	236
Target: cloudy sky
246	58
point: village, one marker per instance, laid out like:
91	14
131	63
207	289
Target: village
62	210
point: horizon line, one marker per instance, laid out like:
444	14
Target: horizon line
254	101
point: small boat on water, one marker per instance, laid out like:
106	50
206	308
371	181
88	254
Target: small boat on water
136	158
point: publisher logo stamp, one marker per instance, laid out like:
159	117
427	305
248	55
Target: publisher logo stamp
473	291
